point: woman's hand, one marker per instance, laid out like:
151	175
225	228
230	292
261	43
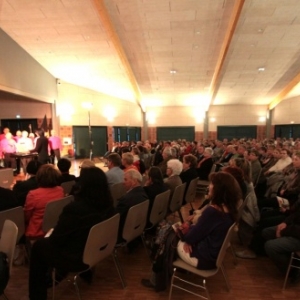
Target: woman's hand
187	248
280	227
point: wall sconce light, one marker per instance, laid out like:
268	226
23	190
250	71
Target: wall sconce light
213	120
262	119
109	113
151	117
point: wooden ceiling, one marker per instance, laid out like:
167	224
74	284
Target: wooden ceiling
165	52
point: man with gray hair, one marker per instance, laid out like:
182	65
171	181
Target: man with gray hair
135	194
167	155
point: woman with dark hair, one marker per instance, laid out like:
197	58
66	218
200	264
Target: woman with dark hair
154	185
243	164
202	242
64	248
47	178
204	166
238	174
189	171
41	146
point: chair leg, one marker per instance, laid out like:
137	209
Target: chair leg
76	287
235	261
145	246
225	277
288	271
117	264
53	283
171	285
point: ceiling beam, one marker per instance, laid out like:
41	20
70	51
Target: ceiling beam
236	12
114	38
284	92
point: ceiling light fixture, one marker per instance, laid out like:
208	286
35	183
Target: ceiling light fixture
261	69
173	72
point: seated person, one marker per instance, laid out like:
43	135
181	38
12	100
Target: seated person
189	171
202	242
255	165
166	155
174	168
64	166
127	162
114	174
205	165
135	194
245	166
22	188
282	240
154	185
63	250
48	190
282	162
286	192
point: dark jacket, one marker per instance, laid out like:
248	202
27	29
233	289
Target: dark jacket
21	189
152	191
65	177
205	168
41	148
7	199
71	232
135	196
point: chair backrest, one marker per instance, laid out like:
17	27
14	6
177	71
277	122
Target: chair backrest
117	191
53	210
225	245
67	186
135	222
191	191
6	178
177	198
17	216
160	208
101	241
8	240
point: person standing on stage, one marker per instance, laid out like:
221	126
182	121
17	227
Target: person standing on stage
24	145
41	146
8	147
55	147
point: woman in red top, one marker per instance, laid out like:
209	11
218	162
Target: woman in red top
48	190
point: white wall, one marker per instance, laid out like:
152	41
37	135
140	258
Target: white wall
287	111
22	75
236	115
176	116
70	111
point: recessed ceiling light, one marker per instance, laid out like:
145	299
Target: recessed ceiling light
261	69
173	71
260	30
